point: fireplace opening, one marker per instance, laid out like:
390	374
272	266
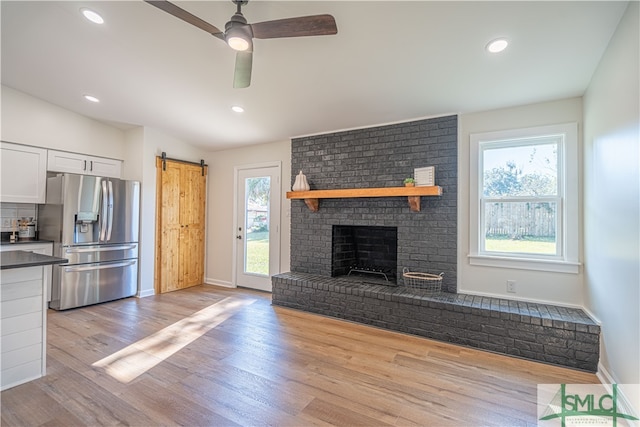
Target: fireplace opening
369	251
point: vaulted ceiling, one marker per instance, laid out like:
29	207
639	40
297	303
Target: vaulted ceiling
390	61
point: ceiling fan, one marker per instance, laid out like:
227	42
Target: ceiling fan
239	35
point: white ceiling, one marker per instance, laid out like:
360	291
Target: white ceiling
390	61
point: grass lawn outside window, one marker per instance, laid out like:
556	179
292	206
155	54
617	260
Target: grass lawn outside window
258	252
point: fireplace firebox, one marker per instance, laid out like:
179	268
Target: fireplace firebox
369	251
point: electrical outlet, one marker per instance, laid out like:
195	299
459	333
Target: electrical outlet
511	286
6	223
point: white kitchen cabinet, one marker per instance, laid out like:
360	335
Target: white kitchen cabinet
62	161
23	173
44	248
23	311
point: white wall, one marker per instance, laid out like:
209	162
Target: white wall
220	232
612	199
541	286
32	121
143	148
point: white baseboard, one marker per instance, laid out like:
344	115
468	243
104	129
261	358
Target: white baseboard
216	282
146	293
592	316
624	401
604	376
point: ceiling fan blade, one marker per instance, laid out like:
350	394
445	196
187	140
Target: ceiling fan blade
180	13
242	76
315	25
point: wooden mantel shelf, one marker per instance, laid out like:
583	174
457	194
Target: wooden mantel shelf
312	197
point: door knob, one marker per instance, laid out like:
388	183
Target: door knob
239	237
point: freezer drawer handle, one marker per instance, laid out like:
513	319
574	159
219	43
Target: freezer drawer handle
100	249
90	267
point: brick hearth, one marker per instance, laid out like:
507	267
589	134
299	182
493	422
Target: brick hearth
540	332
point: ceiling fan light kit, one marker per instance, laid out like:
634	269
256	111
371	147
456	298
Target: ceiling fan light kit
237	42
239	34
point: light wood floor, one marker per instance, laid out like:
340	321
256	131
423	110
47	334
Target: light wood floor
210	356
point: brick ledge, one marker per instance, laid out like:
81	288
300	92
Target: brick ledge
541	332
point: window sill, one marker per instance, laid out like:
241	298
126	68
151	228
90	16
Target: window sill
525	264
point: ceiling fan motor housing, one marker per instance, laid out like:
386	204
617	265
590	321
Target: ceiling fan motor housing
238	28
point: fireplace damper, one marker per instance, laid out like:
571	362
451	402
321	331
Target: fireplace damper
370	251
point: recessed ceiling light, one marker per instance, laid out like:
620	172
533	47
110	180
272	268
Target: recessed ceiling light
92	16
237	109
497	45
91	98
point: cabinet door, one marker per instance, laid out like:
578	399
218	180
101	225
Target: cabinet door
101	166
61	161
23	173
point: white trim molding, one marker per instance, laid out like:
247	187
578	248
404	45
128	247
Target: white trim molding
526	263
567	260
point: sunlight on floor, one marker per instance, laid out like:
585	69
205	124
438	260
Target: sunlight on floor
137	358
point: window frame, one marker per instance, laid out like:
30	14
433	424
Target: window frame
567	210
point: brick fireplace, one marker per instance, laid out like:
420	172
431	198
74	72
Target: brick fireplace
379	157
423	241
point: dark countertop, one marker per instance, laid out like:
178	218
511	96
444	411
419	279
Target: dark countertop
21	259
23	242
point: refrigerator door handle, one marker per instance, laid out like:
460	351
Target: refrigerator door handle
110	218
99	249
88	267
105	202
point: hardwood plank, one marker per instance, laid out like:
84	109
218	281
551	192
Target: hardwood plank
338	415
18	409
239	405
260	364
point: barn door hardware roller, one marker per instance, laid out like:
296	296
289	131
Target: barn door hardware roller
164	158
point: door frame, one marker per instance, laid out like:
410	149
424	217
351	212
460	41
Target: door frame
278	245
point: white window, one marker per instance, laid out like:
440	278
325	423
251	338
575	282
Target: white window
524	199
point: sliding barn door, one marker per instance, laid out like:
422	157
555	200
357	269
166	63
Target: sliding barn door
181	196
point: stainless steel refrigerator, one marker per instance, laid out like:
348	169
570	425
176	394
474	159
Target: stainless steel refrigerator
94	223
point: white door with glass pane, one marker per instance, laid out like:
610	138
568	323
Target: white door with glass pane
257	229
